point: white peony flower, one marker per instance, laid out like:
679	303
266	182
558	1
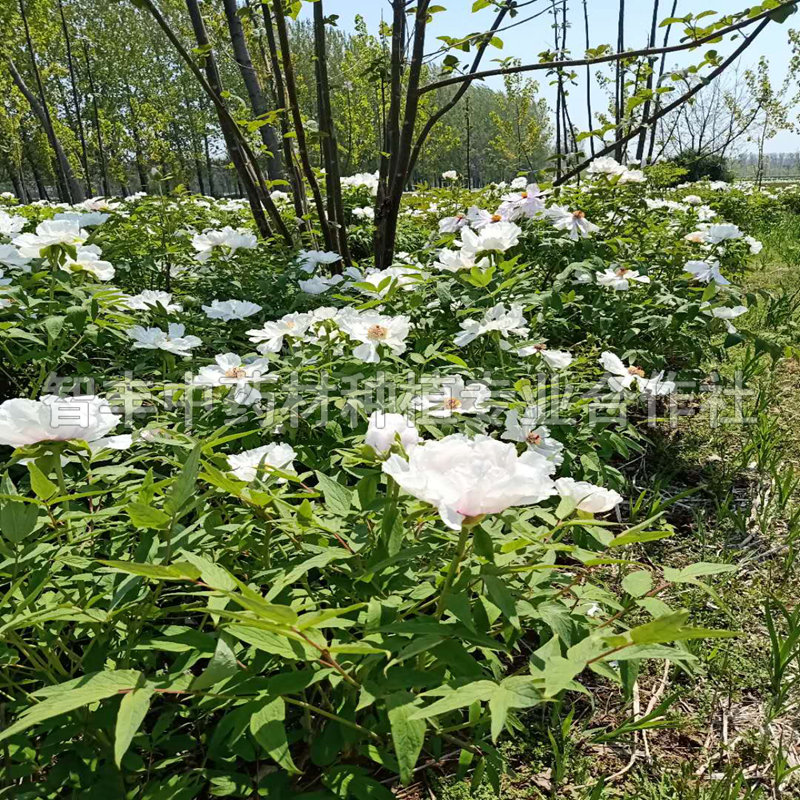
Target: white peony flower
89	219
632	176
23	422
373	330
385	428
311	259
755	246
365	212
261	460
526	429
622	377
319	285
498	237
555	359
452	224
467	478
455	260
479	218
50	233
706	272
498	318
693	200
450	175
227	241
454	397
10	256
151	299
528	203
620	279
11	224
173	340
229	310
726	314
588	497
723	233
605	165
232	370
270	336
696	237
87	259
574	222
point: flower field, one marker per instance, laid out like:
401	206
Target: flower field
272	526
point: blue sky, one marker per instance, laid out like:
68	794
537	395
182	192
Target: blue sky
527	40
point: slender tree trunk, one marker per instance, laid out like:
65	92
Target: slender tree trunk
209	170
402	165
254	91
69	188
289	157
234	148
620	84
28	155
330	147
559	92
68	185
75	101
101	152
299	130
651	42
589	112
661	71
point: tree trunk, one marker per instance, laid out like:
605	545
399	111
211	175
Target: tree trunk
74	85
290	162
589	112
69	187
299	130
234	148
101	153
650	79
209	168
661	71
28	155
619	150
254	91
330	148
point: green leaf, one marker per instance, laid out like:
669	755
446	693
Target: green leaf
183	488
268	729
54	326
212	574
145	517
131	714
698	570
42	486
338	498
458	698
408	734
178	571
500	595
221	666
635	537
17	519
638	584
81	692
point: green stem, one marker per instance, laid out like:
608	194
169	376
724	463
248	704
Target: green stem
461	549
62	488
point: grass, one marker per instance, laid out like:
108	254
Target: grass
734	728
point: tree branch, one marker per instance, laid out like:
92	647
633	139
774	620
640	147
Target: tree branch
583	62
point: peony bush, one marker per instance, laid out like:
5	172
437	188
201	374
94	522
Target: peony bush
273	525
